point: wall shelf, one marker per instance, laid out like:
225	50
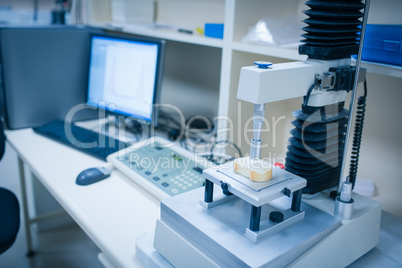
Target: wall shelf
166	34
169	34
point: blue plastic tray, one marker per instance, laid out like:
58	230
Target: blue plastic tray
383	43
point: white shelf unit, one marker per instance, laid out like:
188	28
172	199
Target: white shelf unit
219	61
238	16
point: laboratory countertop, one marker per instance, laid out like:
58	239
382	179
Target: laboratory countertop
115	211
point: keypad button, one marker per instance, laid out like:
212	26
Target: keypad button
175	191
164	175
140	168
165	184
156	178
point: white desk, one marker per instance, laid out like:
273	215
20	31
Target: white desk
113	212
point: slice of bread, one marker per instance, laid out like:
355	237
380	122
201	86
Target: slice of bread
254	169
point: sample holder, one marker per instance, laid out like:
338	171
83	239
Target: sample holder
283	183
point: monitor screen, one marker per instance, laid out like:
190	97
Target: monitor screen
124	75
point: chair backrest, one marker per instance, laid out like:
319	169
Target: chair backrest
9	208
10	219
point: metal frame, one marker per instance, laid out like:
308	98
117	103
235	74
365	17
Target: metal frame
25	213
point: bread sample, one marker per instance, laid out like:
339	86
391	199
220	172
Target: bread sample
254	169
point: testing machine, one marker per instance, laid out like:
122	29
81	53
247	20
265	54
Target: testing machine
292	220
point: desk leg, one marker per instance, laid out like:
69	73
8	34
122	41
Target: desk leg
25	208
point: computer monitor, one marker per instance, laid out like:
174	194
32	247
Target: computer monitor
44	73
125	75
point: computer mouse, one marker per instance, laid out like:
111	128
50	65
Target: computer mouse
92	175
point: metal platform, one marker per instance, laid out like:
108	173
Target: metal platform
255	193
219	234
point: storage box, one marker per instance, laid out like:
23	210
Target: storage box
383	43
214	30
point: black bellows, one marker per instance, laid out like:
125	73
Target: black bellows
317	143
316	146
333	29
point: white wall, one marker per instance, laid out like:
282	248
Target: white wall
381	150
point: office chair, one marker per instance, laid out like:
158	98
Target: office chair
9	209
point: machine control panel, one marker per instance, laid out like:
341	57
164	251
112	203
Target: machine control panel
161	170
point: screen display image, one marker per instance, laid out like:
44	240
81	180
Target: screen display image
123	75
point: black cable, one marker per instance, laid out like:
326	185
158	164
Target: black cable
365	89
211	156
170	118
194	135
357	135
174	128
169	124
307	97
167	127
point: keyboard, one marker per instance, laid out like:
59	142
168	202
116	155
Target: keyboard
161	167
84	140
